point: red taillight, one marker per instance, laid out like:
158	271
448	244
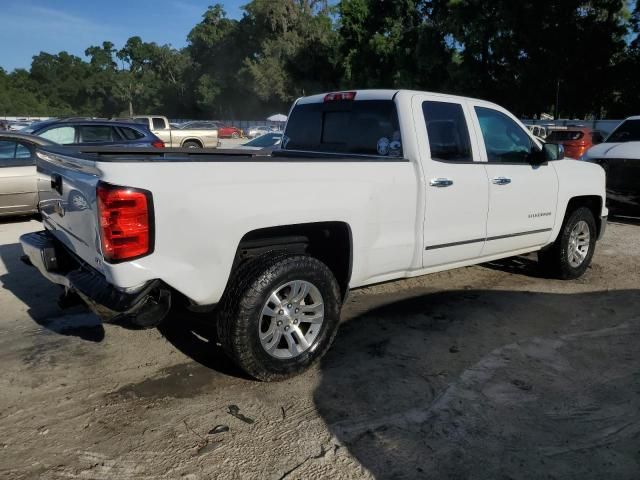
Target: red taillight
157	144
337	96
125	216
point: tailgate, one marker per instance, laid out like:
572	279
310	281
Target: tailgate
67	201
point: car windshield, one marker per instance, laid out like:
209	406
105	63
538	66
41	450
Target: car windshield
268	140
564	135
35	126
629	131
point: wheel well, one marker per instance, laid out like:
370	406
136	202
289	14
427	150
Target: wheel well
329	242
194	140
592	202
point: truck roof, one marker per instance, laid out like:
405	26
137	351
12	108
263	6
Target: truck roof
385	94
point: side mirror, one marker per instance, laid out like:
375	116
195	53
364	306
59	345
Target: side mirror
553	151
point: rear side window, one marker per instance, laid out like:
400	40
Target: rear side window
131	133
97	133
158	123
447	131
629	131
365	127
565	135
13	154
7	150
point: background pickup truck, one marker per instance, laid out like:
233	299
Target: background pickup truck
176	137
369	186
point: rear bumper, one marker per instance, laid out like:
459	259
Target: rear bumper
144	306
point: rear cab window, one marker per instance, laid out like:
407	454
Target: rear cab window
358	127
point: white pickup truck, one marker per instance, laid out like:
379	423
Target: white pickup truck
369	186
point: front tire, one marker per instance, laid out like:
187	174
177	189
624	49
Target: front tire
571	254
279	316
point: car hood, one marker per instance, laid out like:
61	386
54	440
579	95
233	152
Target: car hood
614	150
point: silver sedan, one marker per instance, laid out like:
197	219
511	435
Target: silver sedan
18	176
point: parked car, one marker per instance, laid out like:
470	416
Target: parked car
266	141
258	130
576	139
539	131
17	126
184	137
619	155
224	131
96	132
369	186
18	176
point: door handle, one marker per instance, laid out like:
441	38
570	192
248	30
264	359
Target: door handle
440	182
501	181
56	183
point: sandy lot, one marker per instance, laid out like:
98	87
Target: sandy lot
486	372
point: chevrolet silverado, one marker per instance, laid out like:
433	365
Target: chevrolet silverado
368	186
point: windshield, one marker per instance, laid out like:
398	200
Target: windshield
268	140
628	131
564	135
365	127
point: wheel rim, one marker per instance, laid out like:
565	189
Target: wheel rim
291	319
579	244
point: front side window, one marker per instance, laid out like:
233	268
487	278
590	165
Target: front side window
504	140
362	127
447	131
629	131
62	135
22	151
96	133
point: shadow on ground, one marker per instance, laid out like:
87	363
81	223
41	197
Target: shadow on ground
194	334
41	298
489	384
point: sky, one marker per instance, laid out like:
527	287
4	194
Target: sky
28	27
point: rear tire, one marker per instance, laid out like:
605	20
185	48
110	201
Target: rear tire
191	144
274	340
571	254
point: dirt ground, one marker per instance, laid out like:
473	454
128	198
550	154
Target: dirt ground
489	372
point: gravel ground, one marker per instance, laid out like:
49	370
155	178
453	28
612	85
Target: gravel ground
484	372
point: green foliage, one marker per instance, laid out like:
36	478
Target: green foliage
520	54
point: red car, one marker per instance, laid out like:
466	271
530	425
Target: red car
224	131
576	140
